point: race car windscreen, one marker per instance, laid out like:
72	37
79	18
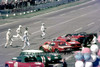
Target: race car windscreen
30	59
62	44
25	53
68	40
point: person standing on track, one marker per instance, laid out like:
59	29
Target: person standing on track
19	32
43	31
26	40
94	40
8	38
64	63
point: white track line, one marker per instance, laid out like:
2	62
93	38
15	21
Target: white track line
68	57
91	24
78	29
62	14
37	22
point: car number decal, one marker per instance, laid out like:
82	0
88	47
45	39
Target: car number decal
16	64
46	46
43	59
50	48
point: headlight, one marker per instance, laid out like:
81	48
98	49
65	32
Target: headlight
37	63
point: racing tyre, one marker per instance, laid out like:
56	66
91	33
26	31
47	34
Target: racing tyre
6	65
56	51
41	48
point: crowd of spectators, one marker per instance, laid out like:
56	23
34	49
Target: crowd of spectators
88	57
24	3
19	4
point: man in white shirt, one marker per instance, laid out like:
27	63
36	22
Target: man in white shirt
43	30
26	40
8	38
19	32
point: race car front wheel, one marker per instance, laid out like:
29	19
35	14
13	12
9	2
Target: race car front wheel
41	48
6	65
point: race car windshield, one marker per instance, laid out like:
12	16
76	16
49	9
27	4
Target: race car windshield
30	59
68	40
25	53
62	44
52	44
28	53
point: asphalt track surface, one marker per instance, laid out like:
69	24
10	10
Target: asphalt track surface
85	17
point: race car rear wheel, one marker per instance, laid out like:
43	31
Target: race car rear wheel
6	65
56	51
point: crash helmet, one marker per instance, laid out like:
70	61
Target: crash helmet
9	29
88	64
79	64
20	26
26	28
77	52
79	56
86	50
87	56
94	49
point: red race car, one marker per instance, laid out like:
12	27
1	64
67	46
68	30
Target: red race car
24	61
82	37
70	41
55	46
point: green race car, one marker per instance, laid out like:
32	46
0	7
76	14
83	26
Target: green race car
41	56
24	61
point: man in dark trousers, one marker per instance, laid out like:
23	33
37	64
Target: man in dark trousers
64	63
